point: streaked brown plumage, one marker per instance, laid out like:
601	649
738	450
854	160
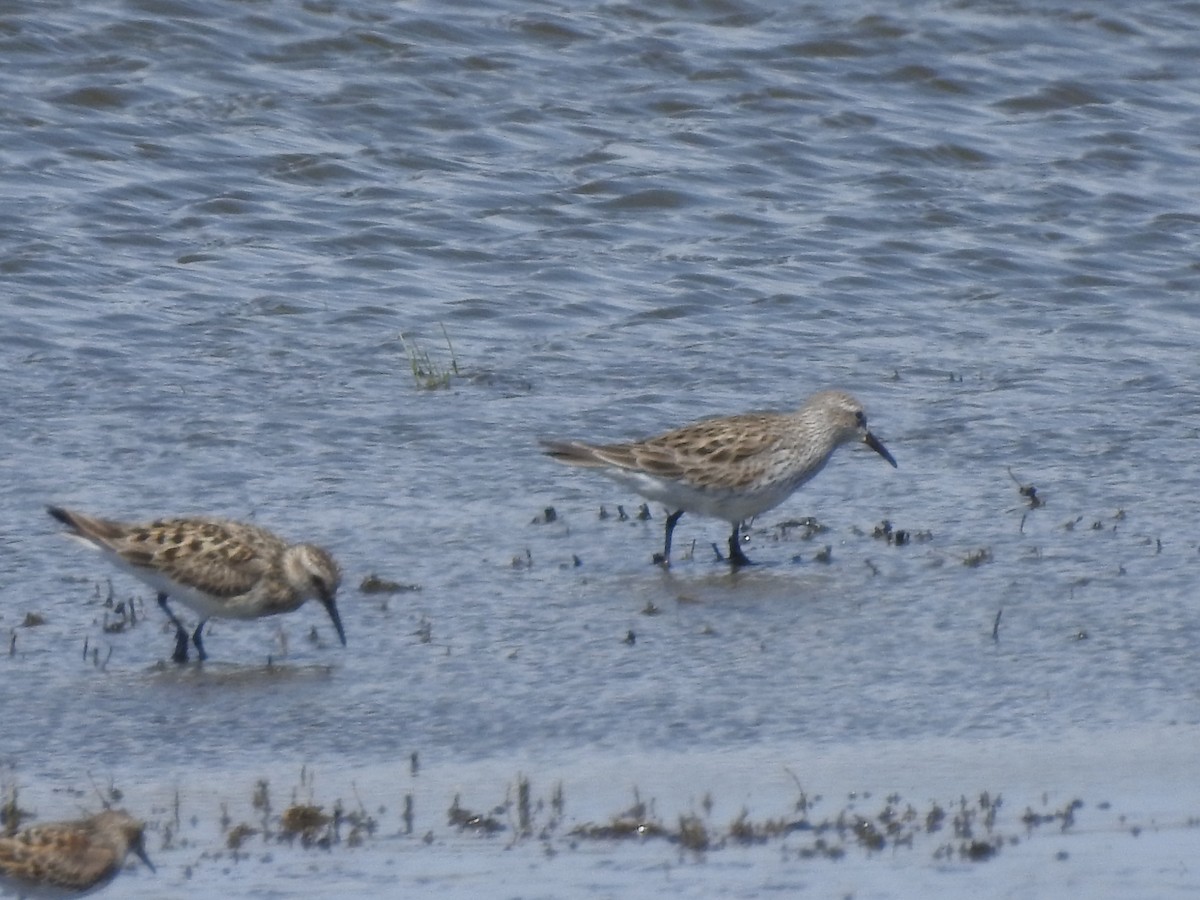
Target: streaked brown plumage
729	468
76	855
219	568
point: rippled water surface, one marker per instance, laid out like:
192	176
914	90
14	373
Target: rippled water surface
229	228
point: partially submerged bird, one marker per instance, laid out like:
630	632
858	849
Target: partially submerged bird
221	569
77	856
729	468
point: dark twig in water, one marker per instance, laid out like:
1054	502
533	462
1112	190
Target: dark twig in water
996	625
524	819
1028	491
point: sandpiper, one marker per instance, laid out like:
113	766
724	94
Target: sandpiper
221	569
729	468
76	856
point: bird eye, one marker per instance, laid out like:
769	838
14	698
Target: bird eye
861	418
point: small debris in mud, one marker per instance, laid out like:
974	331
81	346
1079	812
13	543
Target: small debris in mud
1064	816
899	537
33	620
824	555
523	562
867	834
374	584
743	830
650	609
636	822
262	802
896	825
118	625
630	638
1028	491
692	834
977	851
808	528
968	830
362	824
306	822
934	819
549	514
239	835
11	814
466	820
643	513
977	558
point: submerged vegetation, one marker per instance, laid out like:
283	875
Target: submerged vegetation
968	829
428	373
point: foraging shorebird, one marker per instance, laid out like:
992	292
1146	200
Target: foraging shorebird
730	468
70	858
220	569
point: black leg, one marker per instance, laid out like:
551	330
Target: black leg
664	558
196	640
736	557
181	636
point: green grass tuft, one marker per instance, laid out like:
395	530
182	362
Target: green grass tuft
428	373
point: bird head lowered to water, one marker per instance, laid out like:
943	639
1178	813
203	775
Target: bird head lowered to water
218	567
313	572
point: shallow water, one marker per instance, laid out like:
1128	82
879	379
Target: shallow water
228	225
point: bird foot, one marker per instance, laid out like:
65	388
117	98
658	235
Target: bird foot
736	557
180	655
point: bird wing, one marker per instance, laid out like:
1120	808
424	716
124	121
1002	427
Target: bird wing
55	854
684	454
224	559
714	451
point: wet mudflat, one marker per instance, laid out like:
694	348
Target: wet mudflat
686	824
335	270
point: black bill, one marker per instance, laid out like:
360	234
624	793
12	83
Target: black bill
875	444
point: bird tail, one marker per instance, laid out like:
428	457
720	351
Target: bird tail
573	453
89	528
